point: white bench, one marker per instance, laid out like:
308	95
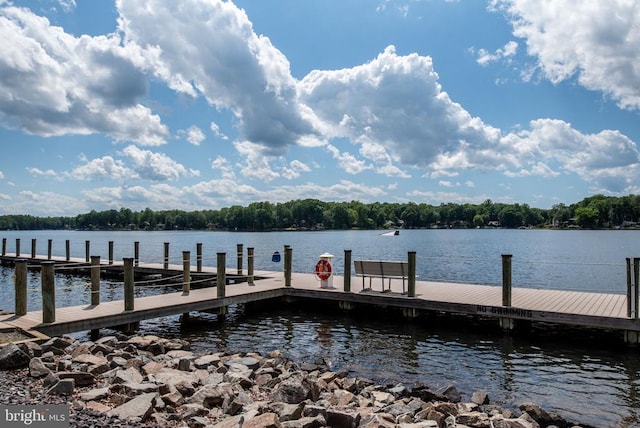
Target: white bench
383	270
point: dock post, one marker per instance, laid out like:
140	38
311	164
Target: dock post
221	278
239	258
636	283
186	272
199	256
110	252
506	279
67	246
48	287
21	288
4	246
87	251
166	256
506	323
411	284
250	277
128	283
288	255
95	280
347	271
33	248
95	289
17	247
49	249
221	281
630	307
136	253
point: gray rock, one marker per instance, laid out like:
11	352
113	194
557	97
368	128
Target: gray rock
184	364
12	357
95	394
198	422
205	361
212	395
50	380
541	416
378	420
287	412
129	375
132	389
250	362
294	390
342	418
452	393
265	420
139	408
62	387
174	377
37	368
59	343
316	422
474	419
480	398
80	378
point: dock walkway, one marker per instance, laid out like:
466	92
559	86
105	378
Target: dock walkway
604	311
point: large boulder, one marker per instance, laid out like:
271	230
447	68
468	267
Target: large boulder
12	357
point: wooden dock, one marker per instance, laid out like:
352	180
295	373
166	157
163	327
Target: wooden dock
569	308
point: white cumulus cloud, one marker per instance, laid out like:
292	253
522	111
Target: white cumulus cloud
594	41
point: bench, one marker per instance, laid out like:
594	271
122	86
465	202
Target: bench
383	270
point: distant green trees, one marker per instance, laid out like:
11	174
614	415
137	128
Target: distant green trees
597	211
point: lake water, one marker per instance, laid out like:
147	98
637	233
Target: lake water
598	385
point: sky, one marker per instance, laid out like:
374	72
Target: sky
205	104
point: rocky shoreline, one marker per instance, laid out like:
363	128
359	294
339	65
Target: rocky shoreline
148	381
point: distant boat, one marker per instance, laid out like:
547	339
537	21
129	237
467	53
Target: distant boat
391	233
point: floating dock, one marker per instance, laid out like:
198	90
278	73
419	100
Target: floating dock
222	288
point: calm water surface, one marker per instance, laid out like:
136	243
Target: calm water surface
598	385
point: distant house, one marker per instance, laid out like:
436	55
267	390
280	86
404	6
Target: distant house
493	223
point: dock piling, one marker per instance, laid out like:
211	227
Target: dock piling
411	286
33	248
21	288
630	308
110	252
221	278
506	323
239	258
221	281
136	253
288	254
186	272
199	256
128	283
17	247
347	271
4	247
67	246
250	276
87	251
95	280
49	249
48	287
166	256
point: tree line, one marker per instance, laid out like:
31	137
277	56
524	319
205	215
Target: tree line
595	212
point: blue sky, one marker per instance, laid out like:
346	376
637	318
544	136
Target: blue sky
204	104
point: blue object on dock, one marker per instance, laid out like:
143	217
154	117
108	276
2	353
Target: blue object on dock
276	257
